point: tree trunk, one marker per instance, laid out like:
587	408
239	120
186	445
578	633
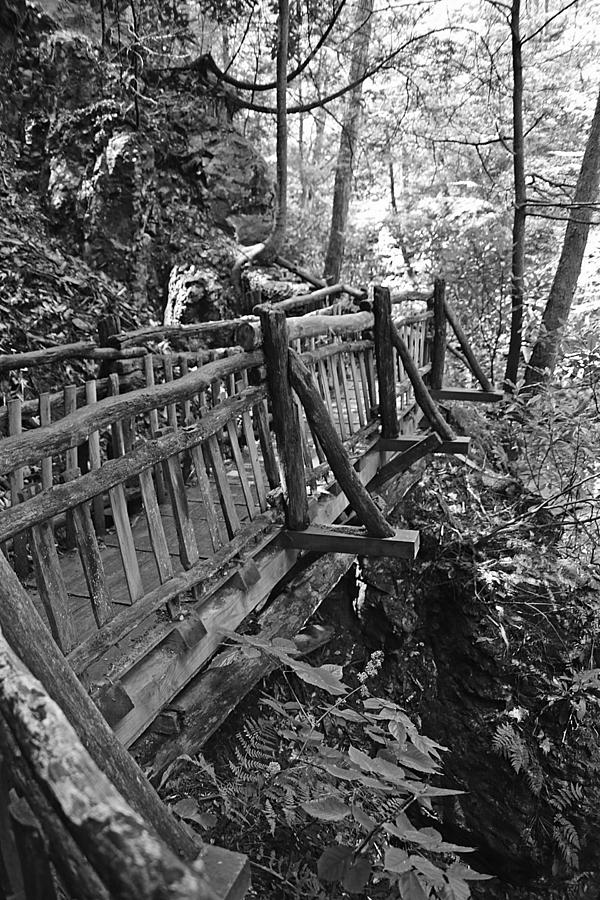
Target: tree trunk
545	352
348	142
275	239
520	213
267	251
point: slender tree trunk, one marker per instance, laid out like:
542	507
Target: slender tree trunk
348	142
267	251
275	239
520	213
545	352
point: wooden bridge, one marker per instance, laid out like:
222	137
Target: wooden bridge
162	502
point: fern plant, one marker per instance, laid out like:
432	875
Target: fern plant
356	762
509	744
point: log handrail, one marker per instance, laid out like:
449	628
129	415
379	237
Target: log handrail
72	430
78	350
111	842
52	501
306	301
225	328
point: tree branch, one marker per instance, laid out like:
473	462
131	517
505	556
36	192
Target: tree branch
547	22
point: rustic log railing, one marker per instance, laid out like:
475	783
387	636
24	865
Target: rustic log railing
161	505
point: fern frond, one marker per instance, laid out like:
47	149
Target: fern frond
507	743
270	816
567	840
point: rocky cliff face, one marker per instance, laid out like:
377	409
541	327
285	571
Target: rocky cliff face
138	179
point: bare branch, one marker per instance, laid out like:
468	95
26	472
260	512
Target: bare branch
547	22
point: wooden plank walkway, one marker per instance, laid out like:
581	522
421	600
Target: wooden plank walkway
72	569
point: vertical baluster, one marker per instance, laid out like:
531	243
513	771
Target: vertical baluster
171	407
91	396
154	429
45	419
17	481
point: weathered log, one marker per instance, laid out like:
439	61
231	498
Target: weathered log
285	415
307	301
74	871
56	400
31	641
422	396
78	350
249	335
384	358
74	429
438	349
470	357
316	412
317	282
210	334
128	857
207	701
60	497
328	350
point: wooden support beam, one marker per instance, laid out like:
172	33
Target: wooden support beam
405	442
384	358
438	349
422	395
466	394
113	701
428	444
206	702
285	416
32	642
470	357
320	422
402	544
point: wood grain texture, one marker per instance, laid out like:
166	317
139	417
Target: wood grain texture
438	347
21	450
50	503
130	859
466	348
384	359
51	586
358	497
468	395
207	701
422	395
32	642
285	418
402	544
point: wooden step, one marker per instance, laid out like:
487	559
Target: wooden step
406	441
348	539
468	394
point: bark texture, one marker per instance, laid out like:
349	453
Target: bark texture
545	352
520	213
348	141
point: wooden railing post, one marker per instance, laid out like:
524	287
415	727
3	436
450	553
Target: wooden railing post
107	326
384	357
285	415
438	347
